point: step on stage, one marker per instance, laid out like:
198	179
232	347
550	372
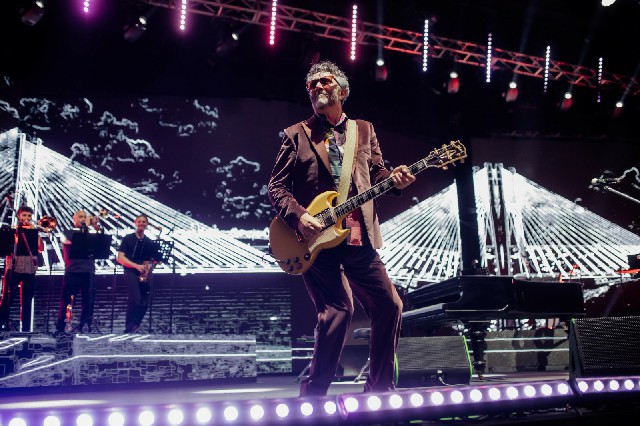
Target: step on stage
137	379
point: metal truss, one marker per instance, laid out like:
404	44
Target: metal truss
258	12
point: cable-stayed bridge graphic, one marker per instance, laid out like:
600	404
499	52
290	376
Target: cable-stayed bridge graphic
524	230
56	186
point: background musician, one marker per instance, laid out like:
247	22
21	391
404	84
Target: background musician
136	249
20	274
77	275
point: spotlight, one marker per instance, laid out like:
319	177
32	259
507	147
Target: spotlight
606	3
134	31
33	13
566	103
618	109
225	46
381	72
454	83
512	92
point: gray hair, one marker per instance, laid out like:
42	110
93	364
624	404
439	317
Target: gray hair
330	67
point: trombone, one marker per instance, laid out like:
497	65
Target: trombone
47	224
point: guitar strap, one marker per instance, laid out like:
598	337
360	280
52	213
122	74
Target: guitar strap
347	161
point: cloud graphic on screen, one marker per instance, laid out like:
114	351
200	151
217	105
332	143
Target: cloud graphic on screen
108	119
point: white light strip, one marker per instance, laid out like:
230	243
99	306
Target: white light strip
547	59
354	22
272	26
183	15
600	60
425	46
489	52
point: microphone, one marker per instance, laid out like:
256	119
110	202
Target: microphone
604	181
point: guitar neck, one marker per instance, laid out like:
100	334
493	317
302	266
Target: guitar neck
378	189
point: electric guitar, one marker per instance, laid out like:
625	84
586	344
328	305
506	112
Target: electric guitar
295	257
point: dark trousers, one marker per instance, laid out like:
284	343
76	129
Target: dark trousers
336	276
138	294
25	284
74	281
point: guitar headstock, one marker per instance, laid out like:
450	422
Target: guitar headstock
448	154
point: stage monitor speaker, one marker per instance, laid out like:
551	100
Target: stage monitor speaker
431	361
608	346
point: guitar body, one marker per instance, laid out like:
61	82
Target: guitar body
296	257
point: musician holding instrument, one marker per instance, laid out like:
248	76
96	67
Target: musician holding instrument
309	163
77	275
20	273
137	253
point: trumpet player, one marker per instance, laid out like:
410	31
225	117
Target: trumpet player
136	254
20	274
77	275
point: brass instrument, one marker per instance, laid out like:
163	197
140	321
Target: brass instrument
148	269
47	224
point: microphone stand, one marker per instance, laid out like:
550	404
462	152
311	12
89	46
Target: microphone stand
622	194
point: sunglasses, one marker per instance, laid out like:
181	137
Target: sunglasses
325	82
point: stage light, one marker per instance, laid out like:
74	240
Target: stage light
256	412
512	92
146	418
306	409
512	393
354	22
614	385
351	404
282	410
175	416
17	421
457	397
599	98
475	395
619	104
381	72
454	83
134	31
86	6
494	394
547	60
183	15
203	415
416	399
395	401
563	388
272	25
33	13
425	45
115	419
437	398
231	413
567	102
546	390
529	391
330	407
84	420
53	421
606	3
488	65
374	403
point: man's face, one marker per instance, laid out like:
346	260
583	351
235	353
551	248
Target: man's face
324	90
79	218
141	223
24	217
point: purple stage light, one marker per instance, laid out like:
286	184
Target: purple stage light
203	415
231	413
256	412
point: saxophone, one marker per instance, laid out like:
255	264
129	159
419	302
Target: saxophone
148	269
68	319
